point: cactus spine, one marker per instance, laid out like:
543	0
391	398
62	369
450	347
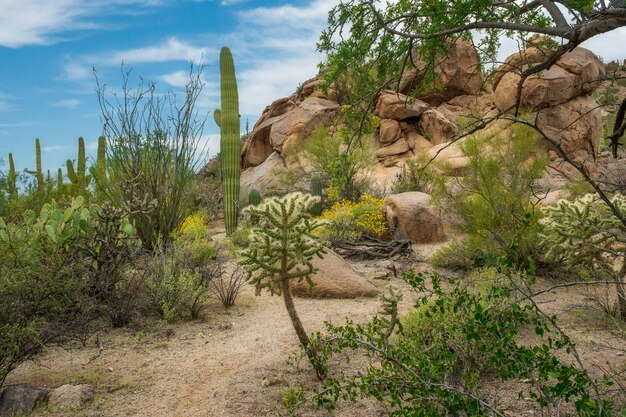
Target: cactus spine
316	190
227	118
12	178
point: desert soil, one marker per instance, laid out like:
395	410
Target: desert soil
237	362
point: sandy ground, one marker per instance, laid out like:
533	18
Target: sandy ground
237	362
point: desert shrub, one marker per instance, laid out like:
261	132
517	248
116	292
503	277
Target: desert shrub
225	285
586	233
178	272
348	221
425	371
341	162
151	154
240	238
417	175
492	202
52	267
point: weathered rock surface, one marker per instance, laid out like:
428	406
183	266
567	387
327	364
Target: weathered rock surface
389	131
436	128
576	73
396	106
69	397
262	177
577	125
289	126
459	74
21	399
397	148
411	216
335	279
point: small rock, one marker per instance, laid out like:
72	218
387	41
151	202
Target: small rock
21	399
275	380
68	397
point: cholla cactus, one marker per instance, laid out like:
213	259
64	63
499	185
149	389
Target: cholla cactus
281	250
585	232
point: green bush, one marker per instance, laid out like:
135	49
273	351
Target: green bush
51	267
454	342
339	160
151	155
493	201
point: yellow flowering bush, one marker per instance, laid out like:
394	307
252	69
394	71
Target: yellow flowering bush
347	221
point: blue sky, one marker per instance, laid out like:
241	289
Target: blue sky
48	49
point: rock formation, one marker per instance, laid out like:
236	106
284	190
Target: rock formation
428	123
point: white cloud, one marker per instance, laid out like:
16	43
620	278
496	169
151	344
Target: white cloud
76	71
70	103
172	49
231	2
47	149
42	22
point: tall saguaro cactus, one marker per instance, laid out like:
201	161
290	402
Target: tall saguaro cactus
12	178
38	172
227	118
99	172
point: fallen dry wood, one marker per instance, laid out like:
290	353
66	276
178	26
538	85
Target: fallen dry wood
371	248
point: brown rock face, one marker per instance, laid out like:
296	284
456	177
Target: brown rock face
580	139
301	122
576	73
68	397
389	131
435	127
261	177
392	105
411	216
290	125
397	148
459	74
335	279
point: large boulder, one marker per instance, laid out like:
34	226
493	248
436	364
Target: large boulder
21	399
262	177
436	128
69	397
412	216
299	123
399	147
396	106
576	73
580	139
458	74
334	279
285	123
389	131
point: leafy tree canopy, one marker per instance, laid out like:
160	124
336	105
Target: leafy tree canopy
373	41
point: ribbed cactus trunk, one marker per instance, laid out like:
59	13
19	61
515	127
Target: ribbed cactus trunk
39	171
230	145
59	179
82	163
100	170
12	177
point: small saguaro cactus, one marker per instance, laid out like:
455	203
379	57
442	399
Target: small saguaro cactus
254	197
39	169
79	177
281	250
12	177
59	179
38	172
227	118
99	171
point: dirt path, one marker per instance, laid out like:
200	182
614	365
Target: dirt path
236	363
